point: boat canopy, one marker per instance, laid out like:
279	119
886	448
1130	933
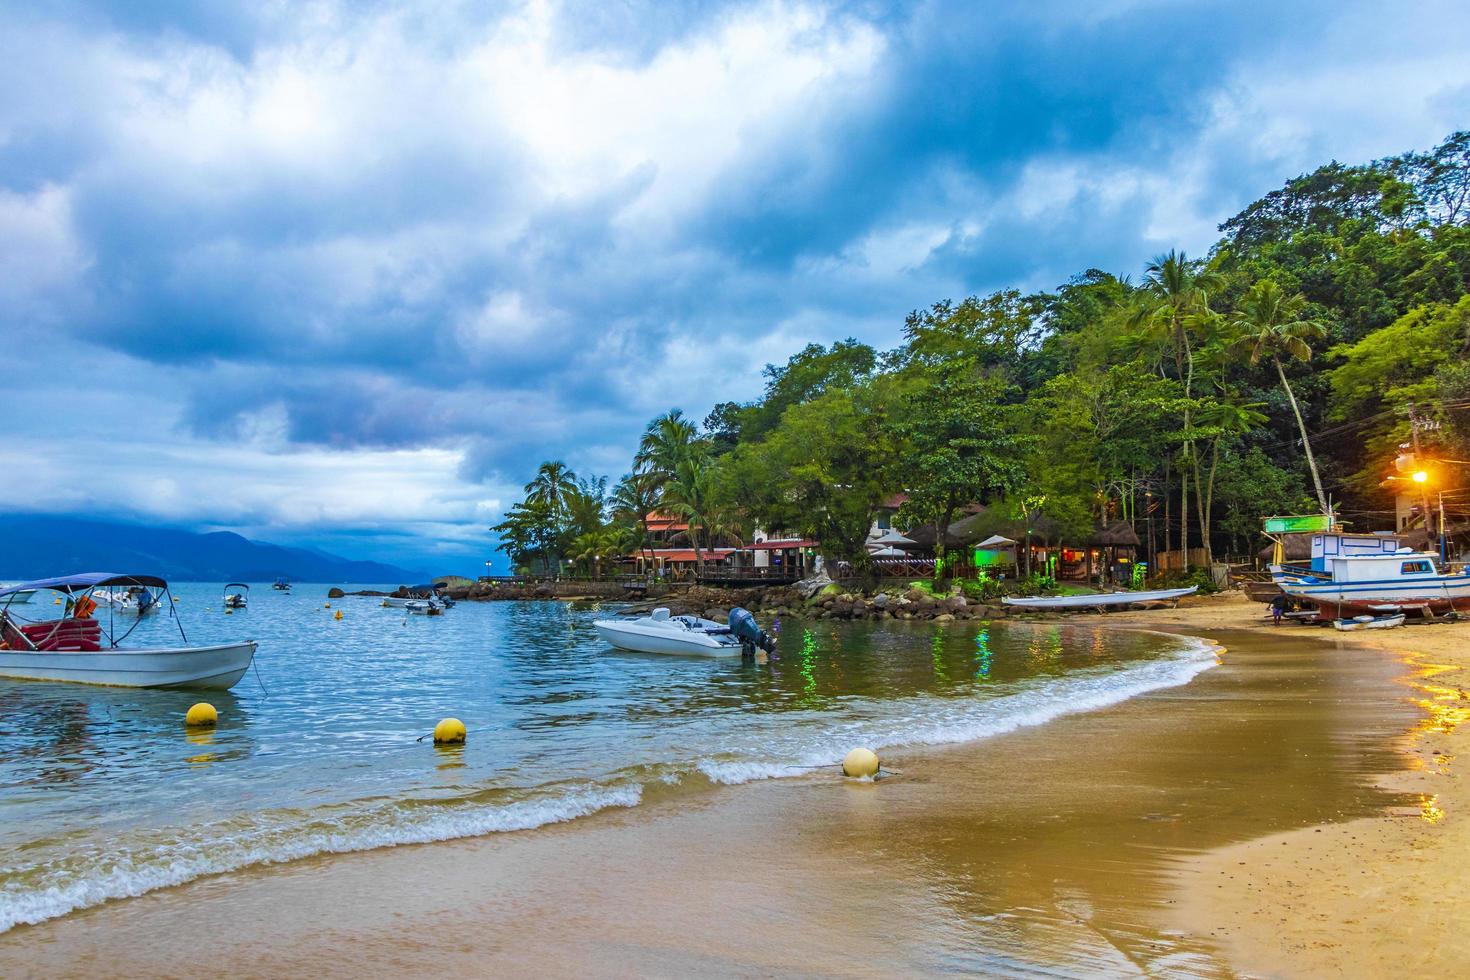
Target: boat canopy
85	581
237	585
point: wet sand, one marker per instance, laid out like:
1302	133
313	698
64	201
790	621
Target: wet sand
1100	843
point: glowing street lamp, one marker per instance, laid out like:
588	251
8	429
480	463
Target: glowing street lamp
1420	476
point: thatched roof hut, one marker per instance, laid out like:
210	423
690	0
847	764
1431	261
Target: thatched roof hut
1118	534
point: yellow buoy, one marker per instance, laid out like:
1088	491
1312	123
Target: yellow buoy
326	605
450	731
57	602
339	614
201	715
860	763
229	612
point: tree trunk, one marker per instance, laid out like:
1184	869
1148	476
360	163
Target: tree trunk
1184	518
941	531
1168	512
1306	441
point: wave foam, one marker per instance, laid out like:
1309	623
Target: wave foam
938	721
130	874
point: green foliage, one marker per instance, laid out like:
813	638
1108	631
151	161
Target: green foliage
1194	402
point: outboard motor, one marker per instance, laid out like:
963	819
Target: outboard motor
750	635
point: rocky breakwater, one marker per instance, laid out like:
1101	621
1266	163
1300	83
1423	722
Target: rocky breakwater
908	604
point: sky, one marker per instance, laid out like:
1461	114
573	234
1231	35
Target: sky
342	274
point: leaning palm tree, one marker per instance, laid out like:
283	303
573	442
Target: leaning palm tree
1271	325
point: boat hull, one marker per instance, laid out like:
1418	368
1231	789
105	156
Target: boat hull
1097	601
629	636
216	667
1379	623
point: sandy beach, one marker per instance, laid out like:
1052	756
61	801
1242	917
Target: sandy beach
1294	811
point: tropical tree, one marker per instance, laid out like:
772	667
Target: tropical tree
958	444
1173	309
553	484
1271	325
667	441
632	500
690	494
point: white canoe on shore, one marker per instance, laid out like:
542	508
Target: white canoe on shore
1097	601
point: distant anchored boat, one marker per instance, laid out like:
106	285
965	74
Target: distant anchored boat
77	648
1097	601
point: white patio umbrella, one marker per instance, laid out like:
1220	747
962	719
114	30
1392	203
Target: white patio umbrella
889	539
888	553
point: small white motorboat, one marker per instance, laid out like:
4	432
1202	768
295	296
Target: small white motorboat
659	632
81	649
396	602
1098	600
424	607
282	585
236	595
1369	622
22	597
133	599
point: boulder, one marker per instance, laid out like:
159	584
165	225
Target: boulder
335	593
880	601
944	618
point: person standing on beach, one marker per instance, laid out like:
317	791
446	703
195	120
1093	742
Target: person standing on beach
1278	607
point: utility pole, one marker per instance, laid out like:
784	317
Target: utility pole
1423	487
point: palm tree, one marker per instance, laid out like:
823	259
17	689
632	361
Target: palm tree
553	485
1271	325
1176	304
668	440
551	490
633	499
690	495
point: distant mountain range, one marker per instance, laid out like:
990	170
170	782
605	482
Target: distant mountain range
39	546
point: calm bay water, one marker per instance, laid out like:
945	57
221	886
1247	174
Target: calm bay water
103	794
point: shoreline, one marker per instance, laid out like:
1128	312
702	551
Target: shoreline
665	840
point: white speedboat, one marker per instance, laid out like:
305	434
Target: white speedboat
236	595
1374	584
81	649
396	602
659	632
425	607
1098	600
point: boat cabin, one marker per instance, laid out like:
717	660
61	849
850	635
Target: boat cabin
1326	548
1403	564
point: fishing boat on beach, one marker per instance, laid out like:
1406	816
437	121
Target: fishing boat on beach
658	632
82	649
1353	585
1098	600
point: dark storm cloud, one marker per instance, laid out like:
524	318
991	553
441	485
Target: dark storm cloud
518	231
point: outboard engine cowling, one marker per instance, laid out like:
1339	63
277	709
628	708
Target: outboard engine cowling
750	635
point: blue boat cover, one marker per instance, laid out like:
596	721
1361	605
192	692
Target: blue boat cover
82	581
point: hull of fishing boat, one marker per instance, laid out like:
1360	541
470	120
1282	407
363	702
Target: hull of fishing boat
648	639
216	667
1098	600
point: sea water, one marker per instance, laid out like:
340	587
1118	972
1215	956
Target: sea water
324	747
